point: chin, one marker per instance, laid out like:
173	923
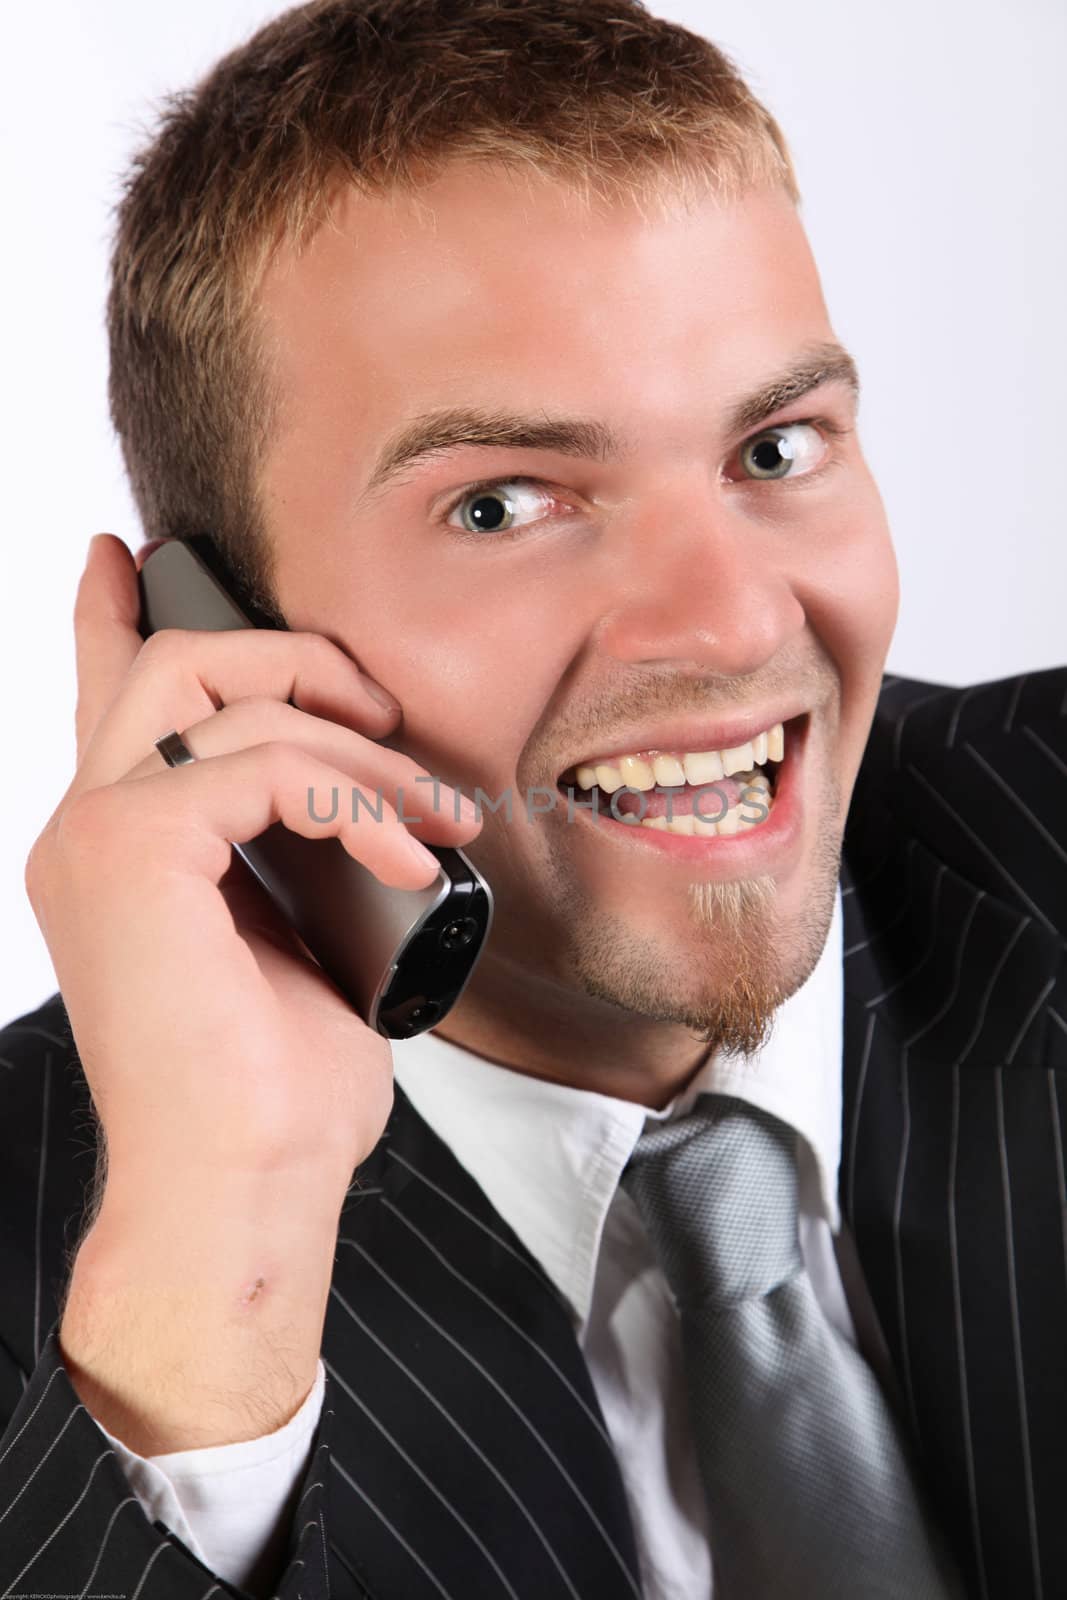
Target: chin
748	946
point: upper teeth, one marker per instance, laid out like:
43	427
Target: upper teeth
696	767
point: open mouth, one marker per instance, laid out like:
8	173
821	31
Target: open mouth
703	794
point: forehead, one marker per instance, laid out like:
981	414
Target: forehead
482	283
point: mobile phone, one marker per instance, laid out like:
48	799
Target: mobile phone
400	957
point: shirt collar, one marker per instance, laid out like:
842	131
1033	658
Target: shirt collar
549	1157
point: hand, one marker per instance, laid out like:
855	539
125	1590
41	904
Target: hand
235	1087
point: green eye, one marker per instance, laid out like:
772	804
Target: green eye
769	455
785	452
501	506
487	511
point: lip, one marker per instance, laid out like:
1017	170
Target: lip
690	736
773	843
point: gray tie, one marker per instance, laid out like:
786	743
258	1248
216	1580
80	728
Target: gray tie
808	1475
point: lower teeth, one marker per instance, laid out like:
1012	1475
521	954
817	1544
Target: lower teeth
754	808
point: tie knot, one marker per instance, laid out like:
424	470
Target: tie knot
717	1191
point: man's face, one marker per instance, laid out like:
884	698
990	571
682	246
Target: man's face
669	595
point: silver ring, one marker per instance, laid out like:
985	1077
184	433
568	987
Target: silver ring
174	750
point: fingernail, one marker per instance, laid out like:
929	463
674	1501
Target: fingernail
92	541
467	808
376	692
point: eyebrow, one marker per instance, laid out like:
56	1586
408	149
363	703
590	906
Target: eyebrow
437	433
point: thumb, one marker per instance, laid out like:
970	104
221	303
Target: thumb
106	636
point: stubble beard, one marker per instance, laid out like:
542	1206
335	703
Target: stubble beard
756	957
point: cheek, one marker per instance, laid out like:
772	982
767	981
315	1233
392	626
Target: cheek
468	655
851	596
855	604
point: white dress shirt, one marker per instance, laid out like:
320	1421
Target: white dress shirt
549	1158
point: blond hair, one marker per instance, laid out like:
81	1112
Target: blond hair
379	93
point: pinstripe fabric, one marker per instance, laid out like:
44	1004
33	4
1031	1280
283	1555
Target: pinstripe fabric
955	1098
462	1452
469	1455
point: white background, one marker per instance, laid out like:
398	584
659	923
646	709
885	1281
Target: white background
929	141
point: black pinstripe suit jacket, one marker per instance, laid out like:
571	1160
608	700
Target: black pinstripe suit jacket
462	1452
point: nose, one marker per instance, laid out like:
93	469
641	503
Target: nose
696	582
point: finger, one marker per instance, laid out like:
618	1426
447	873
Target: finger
181	676
432	809
106	639
185	819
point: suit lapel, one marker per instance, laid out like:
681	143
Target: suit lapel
471	1453
955	1101
472	1456
473	1441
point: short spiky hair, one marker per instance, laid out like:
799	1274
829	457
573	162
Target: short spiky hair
596	93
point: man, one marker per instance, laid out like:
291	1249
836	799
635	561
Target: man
486	341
